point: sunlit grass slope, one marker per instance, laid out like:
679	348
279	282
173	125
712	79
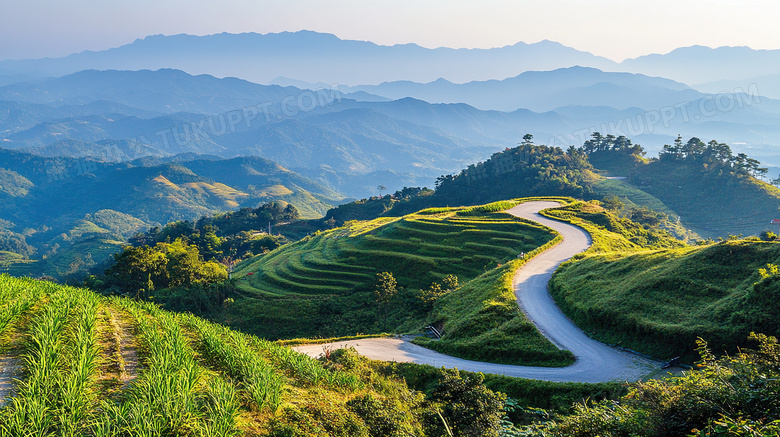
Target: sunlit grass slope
322	286
79	364
418	249
660	301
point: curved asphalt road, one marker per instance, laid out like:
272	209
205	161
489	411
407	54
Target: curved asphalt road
596	362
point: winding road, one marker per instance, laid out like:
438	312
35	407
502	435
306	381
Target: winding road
595	361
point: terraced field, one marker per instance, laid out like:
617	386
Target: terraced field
73	363
418	249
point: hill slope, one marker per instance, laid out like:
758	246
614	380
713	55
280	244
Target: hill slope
659	302
90	365
323	285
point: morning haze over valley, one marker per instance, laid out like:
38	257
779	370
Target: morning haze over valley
344	218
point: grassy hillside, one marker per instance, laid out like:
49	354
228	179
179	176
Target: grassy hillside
75	363
322	285
711	190
712	204
659	302
629	194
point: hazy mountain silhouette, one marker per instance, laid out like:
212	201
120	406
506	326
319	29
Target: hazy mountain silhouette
263	58
288	57
545	90
339	142
164	90
698	64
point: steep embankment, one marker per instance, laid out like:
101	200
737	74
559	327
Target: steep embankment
660	302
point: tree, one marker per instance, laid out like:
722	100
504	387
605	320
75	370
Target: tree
613	203
437	290
470	408
385	287
528	140
381	188
141	270
138	270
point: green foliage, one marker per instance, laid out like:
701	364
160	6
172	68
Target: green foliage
402	201
438	289
385	288
139	271
525	170
615	155
659	302
383	417
192	378
612	204
228	236
468	407
735	396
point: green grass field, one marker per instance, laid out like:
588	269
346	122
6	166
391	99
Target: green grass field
659	302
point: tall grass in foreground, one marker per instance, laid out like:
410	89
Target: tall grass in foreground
60	359
173	395
230	352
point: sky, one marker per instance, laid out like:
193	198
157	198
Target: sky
616	29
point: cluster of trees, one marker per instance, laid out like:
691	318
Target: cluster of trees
16	243
367	209
230	236
192	255
616	155
610	143
525	170
712	155
436	290
139	271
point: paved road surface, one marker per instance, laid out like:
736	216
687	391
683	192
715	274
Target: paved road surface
595	362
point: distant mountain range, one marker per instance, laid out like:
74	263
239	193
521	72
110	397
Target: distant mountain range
351	145
545	90
288	58
262	58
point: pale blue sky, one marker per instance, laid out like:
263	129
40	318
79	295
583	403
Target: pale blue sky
613	28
